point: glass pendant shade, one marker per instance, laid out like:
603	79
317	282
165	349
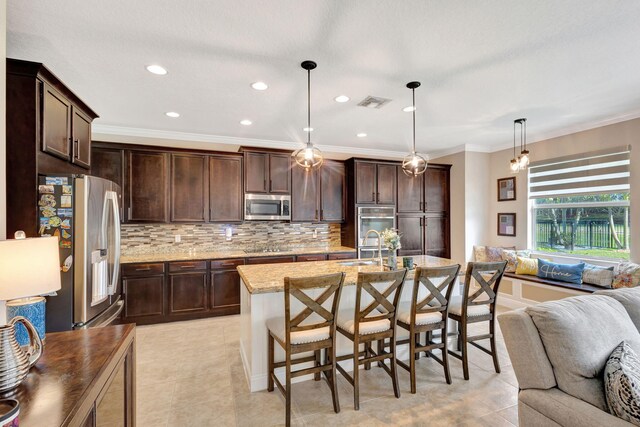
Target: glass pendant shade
520	162
524	159
514	165
308	157
414	164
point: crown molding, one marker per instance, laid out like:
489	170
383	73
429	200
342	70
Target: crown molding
148	136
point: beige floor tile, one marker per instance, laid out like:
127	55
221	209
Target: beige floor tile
202	415
510	414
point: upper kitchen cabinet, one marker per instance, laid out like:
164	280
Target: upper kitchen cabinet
189	199
305	198
318	195
425	193
225	188
147	186
410	193
332	191
375	183
267	172
46	119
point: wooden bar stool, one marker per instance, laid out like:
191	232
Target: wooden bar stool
311	330
427	314
375	322
477	307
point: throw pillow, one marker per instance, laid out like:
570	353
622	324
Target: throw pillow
597	275
479	254
570	273
622	383
527	266
627	276
493	254
511	257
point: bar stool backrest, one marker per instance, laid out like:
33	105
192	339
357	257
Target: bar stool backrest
385	288
437	296
488	275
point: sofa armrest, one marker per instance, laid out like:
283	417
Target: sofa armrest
527	353
563	409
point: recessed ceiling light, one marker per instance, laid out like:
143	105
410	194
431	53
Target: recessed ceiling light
341	98
361	135
408	109
246	122
173	114
308	129
157	69
259	86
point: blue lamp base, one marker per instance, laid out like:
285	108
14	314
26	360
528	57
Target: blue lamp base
33	309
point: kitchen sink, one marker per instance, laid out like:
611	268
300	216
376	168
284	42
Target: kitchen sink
359	262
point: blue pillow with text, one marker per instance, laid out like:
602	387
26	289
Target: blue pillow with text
571	273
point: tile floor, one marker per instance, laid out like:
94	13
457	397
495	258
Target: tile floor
190	374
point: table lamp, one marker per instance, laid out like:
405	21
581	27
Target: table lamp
29	268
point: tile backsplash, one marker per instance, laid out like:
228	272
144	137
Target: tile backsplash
146	238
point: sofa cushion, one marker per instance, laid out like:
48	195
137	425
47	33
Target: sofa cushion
571	273
512	258
622	383
579	334
597	275
527	266
627	276
629	298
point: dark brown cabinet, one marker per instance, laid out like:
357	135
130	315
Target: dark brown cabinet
375	183
304	197
332	191
56	123
318	195
412	231
189	192
226	197
81	139
437	189
410	193
271	260
143	296
437	236
147	187
225	285
341	255
311	257
266	172
187	292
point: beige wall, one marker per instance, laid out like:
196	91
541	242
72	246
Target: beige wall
3	133
474	191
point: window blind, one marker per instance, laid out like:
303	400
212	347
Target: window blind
598	172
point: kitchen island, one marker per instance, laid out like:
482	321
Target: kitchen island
261	298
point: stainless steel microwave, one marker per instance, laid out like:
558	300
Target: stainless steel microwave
267	207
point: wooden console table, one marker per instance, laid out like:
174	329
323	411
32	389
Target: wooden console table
84	378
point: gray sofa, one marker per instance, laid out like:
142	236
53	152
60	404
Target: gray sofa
558	350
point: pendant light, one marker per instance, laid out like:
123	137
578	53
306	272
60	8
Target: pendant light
414	164
520	162
308	157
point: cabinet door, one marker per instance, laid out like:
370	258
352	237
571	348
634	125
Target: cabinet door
343	255
225	288
271	260
108	163
256	171
189	195
437	190
187	292
143	296
280	173
225	189
410	227
81	129
56	123
304	195
437	236
386	194
410	192
147	186
332	186
365	182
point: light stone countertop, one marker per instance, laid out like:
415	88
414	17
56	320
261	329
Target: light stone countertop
210	254
269	278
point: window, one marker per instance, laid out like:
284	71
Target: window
580	205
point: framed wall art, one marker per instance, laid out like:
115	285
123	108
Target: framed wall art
507	189
506	224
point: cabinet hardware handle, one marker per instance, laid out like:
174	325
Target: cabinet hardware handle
321	213
228	264
188	266
76	145
129	213
143	269
373	196
270	185
316	217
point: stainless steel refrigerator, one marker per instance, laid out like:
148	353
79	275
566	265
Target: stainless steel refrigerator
84	213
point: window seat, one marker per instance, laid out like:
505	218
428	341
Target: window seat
535	279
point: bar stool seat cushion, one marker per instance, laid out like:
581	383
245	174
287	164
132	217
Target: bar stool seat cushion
276	326
455	307
346	322
404	315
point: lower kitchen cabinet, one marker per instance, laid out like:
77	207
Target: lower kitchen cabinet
143	296
271	260
424	235
224	293
187	292
341	255
412	231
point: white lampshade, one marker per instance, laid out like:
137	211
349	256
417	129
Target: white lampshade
29	267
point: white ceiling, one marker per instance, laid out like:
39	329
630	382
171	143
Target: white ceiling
565	65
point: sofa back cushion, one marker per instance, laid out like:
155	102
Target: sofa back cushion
579	334
571	273
629	298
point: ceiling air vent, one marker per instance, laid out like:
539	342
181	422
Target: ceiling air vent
374	102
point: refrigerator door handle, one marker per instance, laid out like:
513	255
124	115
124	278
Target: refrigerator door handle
112	196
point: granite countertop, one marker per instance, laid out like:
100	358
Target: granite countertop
212	254
269	278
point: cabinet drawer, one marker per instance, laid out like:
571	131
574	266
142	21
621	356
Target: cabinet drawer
342	255
176	267
314	257
271	260
226	263
147	269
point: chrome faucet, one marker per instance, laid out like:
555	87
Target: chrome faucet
366	236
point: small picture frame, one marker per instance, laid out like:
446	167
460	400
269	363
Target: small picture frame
507	224
506	189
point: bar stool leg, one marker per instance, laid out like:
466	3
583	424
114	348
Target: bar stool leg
316	376
394	366
445	354
412	360
271	368
494	350
288	391
334	379
367	354
463	340
356	373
